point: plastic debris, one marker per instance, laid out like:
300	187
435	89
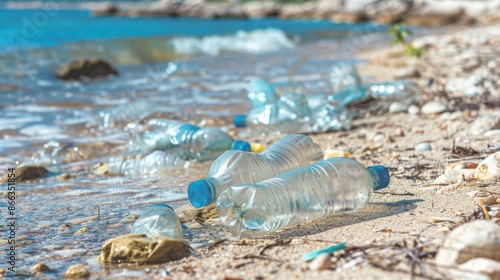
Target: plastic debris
159	218
304	194
328	250
155	162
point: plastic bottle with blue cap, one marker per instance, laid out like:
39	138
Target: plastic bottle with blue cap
159	219
304	194
237	167
187	141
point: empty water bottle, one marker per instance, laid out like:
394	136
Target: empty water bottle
342	75
236	167
304	194
154	162
261	93
127	113
187	141
159	218
402	91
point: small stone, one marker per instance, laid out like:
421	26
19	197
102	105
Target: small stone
64	176
395	155
399	132
321	262
434	107
39	267
444	229
82	231
3	271
423	147
476	239
417	130
407	72
26	173
63	227
397	107
379	138
77	270
413	110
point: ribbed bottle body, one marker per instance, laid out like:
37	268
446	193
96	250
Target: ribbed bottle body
154	162
236	167
161	219
304	194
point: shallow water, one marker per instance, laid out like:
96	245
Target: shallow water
40	112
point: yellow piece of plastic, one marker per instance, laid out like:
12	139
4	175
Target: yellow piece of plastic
257	148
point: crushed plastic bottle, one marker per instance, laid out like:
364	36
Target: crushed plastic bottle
152	163
343	75
261	93
237	167
187	141
304	194
129	112
159	219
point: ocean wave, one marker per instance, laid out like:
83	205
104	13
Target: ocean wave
256	41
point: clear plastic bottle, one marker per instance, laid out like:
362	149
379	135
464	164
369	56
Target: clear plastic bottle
261	93
304	194
343	75
159	218
402	91
154	162
187	141
127	113
236	167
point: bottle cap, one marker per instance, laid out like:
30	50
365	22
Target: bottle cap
241	145
380	175
257	147
200	193
162	205
239	120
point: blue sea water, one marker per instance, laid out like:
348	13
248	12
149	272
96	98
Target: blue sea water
194	70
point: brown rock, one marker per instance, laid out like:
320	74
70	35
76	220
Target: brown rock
25	173
89	68
387	11
39	267
435	13
77	271
261	9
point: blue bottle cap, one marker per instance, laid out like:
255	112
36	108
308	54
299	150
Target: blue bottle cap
201	193
239	120
162	205
241	146
380	175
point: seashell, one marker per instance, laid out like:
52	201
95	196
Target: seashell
475	239
457	171
489	168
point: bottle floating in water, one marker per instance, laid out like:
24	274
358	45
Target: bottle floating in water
304	194
154	162
187	141
237	167
127	113
159	218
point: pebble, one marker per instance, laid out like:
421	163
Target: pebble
423	147
397	107
321	262
379	138
3	271
476	239
407	72
64	176
77	270
413	110
399	132
82	231
395	155
434	107
39	267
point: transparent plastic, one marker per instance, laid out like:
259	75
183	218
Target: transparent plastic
236	167
261	93
402	91
154	162
304	194
159	219
130	112
343	75
187	141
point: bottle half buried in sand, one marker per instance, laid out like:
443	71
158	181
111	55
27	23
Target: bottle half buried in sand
186	141
304	194
159	219
237	167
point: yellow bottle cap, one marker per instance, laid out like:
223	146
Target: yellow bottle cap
257	148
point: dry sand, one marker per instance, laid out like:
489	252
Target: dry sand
399	215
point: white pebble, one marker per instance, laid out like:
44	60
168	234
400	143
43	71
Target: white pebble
321	262
423	147
413	110
398	107
434	107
